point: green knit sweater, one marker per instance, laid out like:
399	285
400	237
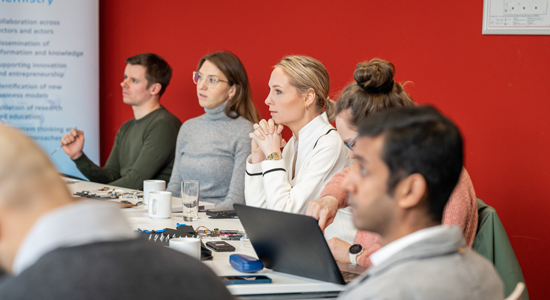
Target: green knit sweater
144	149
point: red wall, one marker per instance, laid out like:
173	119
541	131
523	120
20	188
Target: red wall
494	87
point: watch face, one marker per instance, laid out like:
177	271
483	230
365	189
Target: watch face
355	249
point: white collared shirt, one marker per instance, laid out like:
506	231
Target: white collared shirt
79	223
392	248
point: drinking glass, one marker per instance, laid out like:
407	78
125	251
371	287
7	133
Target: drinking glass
190	191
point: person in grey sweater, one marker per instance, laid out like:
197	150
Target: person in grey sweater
213	147
408	161
54	246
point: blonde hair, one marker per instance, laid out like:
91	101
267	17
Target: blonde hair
308	73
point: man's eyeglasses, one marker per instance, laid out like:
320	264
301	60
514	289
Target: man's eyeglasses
210	82
351	143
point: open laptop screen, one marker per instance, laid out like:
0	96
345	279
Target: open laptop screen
289	243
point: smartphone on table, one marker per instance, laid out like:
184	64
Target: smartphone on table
245	279
220	246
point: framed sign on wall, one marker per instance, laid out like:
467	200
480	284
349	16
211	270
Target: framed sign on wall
516	17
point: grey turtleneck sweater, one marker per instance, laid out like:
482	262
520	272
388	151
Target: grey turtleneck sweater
212	149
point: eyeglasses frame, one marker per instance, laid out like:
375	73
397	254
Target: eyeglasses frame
206	82
350	144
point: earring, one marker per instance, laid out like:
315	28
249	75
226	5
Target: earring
306	106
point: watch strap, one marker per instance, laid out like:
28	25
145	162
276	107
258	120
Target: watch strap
353	256
274	156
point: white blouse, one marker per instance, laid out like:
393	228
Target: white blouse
321	154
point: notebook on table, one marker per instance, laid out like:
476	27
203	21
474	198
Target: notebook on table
294	244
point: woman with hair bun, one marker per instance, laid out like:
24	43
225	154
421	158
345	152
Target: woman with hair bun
298	99
372	91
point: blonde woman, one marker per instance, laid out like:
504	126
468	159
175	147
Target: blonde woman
287	180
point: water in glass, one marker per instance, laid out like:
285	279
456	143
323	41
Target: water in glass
190	190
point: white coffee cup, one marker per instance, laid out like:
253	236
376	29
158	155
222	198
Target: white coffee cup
189	246
152	185
160	204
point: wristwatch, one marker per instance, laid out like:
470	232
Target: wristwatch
274	156
354	251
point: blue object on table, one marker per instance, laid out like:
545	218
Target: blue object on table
245	263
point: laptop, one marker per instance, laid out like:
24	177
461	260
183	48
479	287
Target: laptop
294	244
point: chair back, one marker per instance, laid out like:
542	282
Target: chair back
518	291
492	242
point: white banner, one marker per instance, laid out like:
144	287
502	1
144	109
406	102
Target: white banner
49	72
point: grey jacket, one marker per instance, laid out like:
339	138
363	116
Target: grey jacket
439	267
133	269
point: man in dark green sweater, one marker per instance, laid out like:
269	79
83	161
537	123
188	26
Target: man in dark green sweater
145	145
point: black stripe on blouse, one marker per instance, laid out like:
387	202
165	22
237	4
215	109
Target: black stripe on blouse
323	136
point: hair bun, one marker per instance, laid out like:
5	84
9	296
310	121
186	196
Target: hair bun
374	73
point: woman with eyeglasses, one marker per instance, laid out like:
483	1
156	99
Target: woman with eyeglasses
372	91
213	147
298	98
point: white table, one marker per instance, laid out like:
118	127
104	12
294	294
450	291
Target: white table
76	185
283	285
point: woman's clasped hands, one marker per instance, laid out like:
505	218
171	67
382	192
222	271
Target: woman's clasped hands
266	139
